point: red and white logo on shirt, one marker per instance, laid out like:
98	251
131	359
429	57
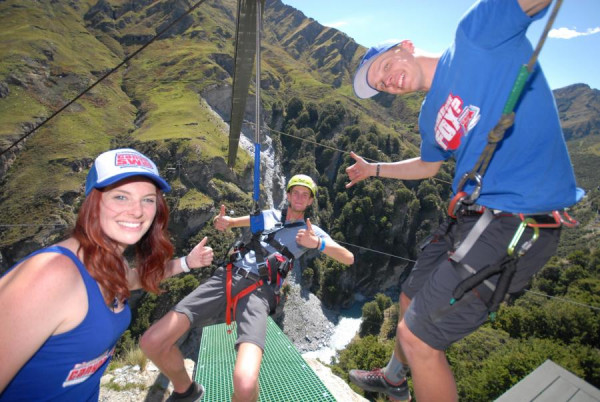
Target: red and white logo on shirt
453	122
82	371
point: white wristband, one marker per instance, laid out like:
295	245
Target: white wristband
183	263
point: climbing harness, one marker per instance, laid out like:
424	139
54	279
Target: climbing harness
492	295
272	267
463	203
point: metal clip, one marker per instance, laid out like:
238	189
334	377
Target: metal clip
517	236
461	196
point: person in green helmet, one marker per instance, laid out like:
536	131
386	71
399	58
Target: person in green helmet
246	290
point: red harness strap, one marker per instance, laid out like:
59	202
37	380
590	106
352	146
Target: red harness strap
232	301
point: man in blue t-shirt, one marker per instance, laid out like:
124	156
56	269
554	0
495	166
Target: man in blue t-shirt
530	173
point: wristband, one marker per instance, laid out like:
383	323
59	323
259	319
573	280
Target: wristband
322	245
183	263
378	168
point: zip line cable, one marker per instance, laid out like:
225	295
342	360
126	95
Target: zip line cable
376	251
103	77
562	300
329	147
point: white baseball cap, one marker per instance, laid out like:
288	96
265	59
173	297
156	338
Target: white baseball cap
118	164
361	86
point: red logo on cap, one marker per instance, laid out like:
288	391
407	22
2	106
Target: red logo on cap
132	160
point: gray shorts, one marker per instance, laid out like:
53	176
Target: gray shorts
433	279
208	302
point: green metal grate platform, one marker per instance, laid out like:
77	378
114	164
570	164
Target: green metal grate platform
284	375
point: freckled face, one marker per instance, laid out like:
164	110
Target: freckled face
299	198
127	209
396	72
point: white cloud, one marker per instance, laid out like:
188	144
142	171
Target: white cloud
568	33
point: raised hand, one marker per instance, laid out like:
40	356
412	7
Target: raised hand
359	171
222	221
201	255
307	237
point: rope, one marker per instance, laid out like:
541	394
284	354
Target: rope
563	300
103	77
376	251
544	35
328	147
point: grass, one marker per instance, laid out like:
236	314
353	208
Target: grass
194	200
131	357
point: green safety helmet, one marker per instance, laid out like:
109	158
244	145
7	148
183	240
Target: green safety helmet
302	180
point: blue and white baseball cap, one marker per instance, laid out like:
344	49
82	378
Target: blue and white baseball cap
362	89
118	164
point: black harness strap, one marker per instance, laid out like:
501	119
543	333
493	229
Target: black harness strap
264	261
491	295
477	281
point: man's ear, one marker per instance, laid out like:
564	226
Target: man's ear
407	45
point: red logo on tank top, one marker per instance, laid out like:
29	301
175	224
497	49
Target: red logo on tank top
453	122
82	371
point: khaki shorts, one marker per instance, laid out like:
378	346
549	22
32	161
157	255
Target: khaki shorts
206	305
433	279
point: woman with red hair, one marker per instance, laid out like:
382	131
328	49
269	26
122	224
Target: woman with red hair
64	307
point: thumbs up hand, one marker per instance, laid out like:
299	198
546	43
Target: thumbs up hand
222	222
307	237
201	255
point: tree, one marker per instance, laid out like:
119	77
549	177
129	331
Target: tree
372	318
294	107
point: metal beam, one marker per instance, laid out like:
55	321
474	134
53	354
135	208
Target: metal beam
245	51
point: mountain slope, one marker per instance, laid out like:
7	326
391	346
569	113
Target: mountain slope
155	102
579	111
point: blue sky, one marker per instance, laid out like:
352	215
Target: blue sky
570	55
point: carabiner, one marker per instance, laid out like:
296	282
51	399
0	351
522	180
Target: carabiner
476	177
559	220
455	203
517	236
462	197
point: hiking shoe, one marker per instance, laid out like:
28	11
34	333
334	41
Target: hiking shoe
375	381
193	394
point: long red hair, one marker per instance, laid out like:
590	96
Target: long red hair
105	262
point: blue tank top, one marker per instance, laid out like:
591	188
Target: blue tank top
68	366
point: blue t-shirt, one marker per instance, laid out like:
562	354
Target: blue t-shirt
68	366
285	236
530	171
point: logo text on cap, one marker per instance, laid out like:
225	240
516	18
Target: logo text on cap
132	160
